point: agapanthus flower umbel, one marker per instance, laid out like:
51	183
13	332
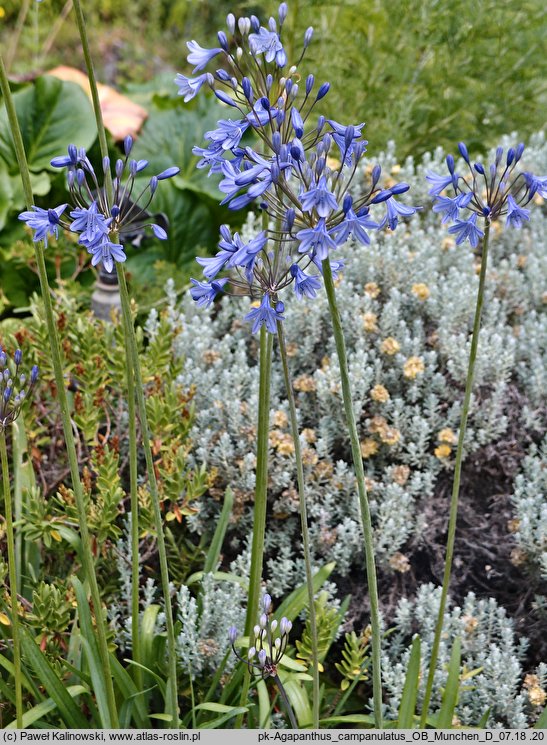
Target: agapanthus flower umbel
15	386
491	193
298	166
269	644
100	219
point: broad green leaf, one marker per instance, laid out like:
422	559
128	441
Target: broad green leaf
52	114
44	707
168	138
450	697
410	690
71	715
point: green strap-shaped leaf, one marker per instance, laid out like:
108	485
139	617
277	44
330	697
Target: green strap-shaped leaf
89	645
410	690
450	697
70	713
298	599
213	554
44	707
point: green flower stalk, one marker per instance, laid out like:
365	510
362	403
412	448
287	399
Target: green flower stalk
87	557
13	393
303	521
489	194
132	353
261	494
366	520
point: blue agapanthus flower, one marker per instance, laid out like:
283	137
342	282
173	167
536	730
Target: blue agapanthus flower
487	193
43	222
266	315
100	219
299	168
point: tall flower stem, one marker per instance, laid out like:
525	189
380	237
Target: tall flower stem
133	475
303	519
87	556
132	377
261	492
158	521
12	579
366	520
453	516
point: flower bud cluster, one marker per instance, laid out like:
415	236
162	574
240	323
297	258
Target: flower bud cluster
269	643
500	190
299	169
100	216
15	387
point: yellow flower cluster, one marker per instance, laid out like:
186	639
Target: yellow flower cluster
421	291
536	695
370	321
390	346
372	290
304	383
413	367
379	393
399	562
446	438
369	447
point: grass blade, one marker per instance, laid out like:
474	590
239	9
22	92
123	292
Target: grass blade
44	707
132	696
450	697
410	690
213	554
89	645
70	713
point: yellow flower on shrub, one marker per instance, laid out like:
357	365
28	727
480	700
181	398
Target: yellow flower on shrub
413	367
390	346
443	451
379	393
369	447
421	291
369	322
372	289
447	435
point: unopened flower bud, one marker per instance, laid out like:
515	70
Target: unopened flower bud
222	40
322	92
285	626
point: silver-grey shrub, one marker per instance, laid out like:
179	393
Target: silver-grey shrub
382	297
